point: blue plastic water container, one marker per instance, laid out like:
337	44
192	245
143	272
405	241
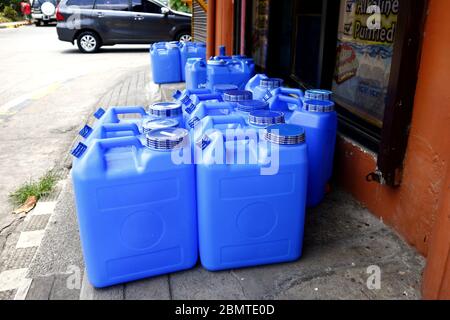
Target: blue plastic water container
222	54
235	72
186	93
115	130
249	61
165	62
231	95
195	73
136	208
320	122
197	98
221	123
246	218
254	81
282	99
260	84
108	131
190	50
114	115
208	108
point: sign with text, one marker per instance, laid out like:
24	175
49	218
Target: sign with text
366	36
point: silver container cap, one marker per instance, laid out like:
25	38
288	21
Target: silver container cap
318	94
154	124
167	139
271	83
265	117
318	105
285	134
237	95
165	109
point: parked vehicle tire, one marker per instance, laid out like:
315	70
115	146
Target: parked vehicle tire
184	36
37	23
88	42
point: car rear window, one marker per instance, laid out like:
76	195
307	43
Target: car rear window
84	4
38	3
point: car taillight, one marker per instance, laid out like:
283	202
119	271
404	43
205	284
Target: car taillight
59	16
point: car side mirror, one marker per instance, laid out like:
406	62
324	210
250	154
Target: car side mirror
165	11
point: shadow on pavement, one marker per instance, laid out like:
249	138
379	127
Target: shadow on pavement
75	50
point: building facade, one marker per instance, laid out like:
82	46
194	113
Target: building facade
389	75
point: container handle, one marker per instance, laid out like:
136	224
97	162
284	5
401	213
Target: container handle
208	96
217	106
119	142
243	64
234	119
291	100
292	91
119	127
129	110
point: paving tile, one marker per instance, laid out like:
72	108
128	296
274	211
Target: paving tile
199	283
30	239
148	289
19	258
88	292
43	208
61	291
36	222
40	288
11	279
7	295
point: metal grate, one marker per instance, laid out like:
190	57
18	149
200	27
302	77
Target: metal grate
198	21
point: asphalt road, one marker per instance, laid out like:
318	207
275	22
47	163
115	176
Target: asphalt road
47	90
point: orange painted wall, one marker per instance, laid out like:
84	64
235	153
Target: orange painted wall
413	207
224	24
436	280
220	26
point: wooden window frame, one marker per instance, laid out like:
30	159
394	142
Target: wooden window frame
390	141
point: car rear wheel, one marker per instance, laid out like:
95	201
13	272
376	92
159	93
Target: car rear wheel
38	23
184	37
88	42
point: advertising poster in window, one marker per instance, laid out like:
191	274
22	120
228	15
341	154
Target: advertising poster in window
364	57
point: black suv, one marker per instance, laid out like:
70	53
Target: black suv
93	23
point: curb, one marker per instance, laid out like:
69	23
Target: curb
11	25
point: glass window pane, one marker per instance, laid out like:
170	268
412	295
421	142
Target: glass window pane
117	5
145	6
83	4
364	57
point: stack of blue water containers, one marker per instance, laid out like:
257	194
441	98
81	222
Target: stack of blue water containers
168	59
222	172
221	69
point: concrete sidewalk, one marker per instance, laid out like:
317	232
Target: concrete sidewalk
342	240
